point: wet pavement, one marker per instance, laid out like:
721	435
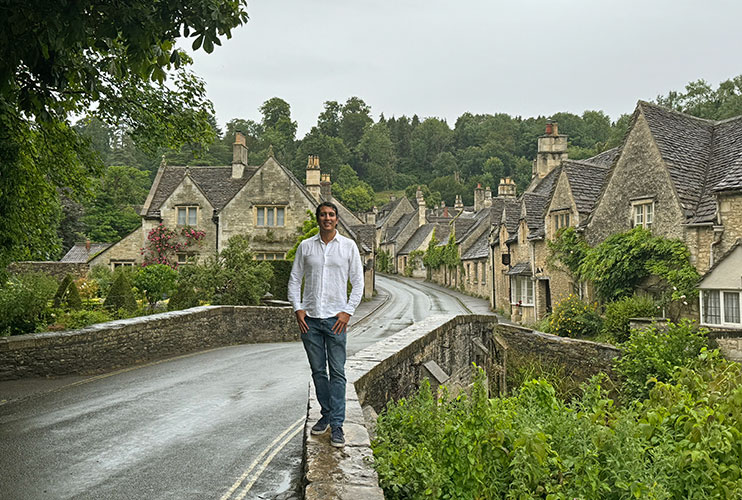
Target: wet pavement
222	424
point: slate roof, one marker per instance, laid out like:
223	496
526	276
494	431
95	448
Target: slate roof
534	206
585	182
703	157
416	239
512	218
604	159
386	211
520	268
216	183
480	248
366	235
393	231
78	253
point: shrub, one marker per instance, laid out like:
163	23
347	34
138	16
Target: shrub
618	313
280	283
24	303
121	296
682	442
183	298
72	298
88	288
103	276
656	352
72	320
62	291
574	318
155	281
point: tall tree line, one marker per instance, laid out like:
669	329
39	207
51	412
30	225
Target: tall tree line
363	155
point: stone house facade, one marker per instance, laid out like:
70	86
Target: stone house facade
677	175
266	202
681	177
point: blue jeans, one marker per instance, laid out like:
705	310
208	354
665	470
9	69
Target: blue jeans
325	348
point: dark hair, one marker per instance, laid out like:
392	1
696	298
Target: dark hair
326	204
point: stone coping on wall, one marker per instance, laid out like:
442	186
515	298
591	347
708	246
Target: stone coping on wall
116	344
347	473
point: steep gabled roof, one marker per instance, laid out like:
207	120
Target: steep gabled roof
416	239
80	254
216	183
604	159
703	157
534	206
511	216
393	232
685	144
586	183
478	250
386	211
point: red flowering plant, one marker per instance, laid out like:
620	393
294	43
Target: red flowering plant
163	244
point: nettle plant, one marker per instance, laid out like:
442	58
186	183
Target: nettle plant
163	244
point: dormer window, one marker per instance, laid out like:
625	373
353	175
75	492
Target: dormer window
187	216
561	220
642	213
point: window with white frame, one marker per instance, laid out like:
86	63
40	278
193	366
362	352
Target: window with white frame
521	290
642	213
721	307
561	220
270	216
270	256
115	264
187	216
186	258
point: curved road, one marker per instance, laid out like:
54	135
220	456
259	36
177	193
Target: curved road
222	424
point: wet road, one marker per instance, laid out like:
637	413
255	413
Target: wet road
222	424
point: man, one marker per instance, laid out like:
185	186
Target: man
326	262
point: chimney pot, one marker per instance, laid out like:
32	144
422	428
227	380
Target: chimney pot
87	245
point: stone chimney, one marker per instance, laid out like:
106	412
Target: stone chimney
552	149
239	155
506	189
421	220
487	197
371	216
325	187
87	246
313	178
478	198
458	205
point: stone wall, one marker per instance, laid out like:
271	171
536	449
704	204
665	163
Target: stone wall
116	344
395	367
579	359
57	270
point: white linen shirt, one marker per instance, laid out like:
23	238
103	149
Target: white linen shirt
326	269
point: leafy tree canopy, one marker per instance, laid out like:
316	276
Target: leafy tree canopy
60	58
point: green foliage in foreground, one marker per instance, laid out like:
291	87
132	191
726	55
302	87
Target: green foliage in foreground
681	442
618	314
574	318
23	303
653	354
121	296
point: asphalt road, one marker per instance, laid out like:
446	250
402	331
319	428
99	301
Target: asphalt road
222	424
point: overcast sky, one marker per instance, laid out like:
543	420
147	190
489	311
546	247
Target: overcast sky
436	58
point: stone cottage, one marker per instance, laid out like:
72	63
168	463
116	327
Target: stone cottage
681	177
266	202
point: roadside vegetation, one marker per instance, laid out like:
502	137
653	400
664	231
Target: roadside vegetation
34	302
673	431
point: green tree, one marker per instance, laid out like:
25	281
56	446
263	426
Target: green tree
278	131
155	281
308	229
428	140
328	122
331	151
355	118
702	100
84	56
110	214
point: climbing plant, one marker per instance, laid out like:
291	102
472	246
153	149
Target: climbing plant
618	265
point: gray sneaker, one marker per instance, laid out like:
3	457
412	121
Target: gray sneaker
321	426
337	438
